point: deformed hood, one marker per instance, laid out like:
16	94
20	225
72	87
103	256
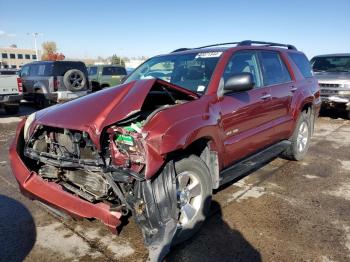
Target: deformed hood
95	111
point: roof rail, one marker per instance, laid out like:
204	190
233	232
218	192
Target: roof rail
242	43
229	43
181	49
250	42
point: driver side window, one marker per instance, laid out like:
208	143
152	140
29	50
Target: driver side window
244	62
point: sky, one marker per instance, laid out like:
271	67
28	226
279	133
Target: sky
87	29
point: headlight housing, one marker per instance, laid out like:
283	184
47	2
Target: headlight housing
28	124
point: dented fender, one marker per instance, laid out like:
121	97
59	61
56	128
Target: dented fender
168	131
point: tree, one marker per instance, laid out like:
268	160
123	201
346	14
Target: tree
117	60
50	52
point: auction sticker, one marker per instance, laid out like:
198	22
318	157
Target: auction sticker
208	54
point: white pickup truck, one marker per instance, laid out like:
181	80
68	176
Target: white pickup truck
10	92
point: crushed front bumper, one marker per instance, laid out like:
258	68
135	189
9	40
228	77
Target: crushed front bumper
33	186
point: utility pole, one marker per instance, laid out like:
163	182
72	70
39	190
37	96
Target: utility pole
35	35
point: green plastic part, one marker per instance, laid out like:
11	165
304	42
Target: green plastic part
125	139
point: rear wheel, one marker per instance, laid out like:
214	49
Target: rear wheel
194	190
41	101
11	109
300	140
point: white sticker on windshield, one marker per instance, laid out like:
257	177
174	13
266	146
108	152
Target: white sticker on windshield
200	88
208	54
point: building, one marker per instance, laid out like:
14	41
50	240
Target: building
13	57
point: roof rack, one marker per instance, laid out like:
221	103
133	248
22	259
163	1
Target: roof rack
250	42
242	43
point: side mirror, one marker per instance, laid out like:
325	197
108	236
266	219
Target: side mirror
239	82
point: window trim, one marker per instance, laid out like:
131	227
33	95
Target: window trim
12	57
256	53
279	54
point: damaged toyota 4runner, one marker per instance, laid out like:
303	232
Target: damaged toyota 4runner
180	126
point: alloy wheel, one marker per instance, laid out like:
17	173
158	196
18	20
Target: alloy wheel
303	137
189	197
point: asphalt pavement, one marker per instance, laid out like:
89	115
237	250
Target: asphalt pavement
285	211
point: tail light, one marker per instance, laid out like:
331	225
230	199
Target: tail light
19	85
55	84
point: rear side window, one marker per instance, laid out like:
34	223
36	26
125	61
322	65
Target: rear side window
302	63
60	68
274	70
112	70
40	70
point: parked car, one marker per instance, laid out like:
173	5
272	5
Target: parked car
333	74
47	82
8	71
102	76
180	126
10	91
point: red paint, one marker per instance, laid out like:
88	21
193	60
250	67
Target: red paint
51	193
237	125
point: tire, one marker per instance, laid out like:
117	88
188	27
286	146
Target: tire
300	140
74	80
41	101
198	171
11	109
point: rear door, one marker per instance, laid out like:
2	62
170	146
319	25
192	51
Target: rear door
245	116
277	77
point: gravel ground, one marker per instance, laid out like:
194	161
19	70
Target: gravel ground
285	211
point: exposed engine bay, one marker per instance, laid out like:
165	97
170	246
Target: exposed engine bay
70	159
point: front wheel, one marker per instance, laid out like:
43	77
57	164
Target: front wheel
300	139
194	190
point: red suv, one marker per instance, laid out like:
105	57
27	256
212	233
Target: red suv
179	126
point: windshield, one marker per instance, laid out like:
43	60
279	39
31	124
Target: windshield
191	71
331	64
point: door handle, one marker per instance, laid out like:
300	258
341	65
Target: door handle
264	97
293	88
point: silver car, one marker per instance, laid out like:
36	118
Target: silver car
47	82
333	74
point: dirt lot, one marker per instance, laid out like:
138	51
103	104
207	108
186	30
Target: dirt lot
286	211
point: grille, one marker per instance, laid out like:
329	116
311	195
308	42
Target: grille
329	85
329	92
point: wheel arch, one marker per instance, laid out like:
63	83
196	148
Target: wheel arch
206	149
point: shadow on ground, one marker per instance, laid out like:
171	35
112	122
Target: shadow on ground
26	108
216	241
334	113
17	230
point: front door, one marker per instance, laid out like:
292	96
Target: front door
245	116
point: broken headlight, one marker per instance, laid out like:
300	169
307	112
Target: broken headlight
28	124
